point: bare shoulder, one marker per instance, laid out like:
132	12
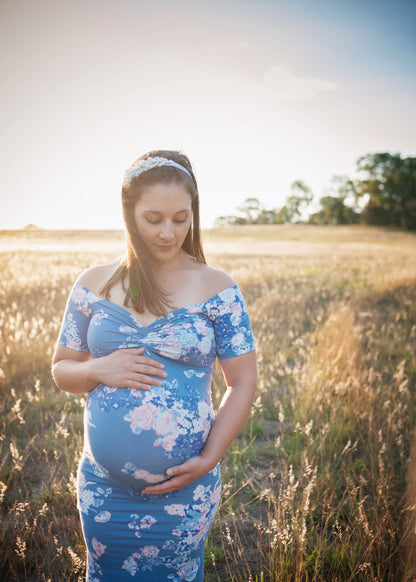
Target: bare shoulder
214	281
96	277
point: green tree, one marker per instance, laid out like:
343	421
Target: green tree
251	209
389	183
267	216
283	215
334	211
342	187
223	221
296	203
337	206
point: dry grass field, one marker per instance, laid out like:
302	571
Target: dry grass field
318	486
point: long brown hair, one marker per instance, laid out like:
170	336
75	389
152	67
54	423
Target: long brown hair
141	287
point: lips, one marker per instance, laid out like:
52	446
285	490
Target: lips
165	247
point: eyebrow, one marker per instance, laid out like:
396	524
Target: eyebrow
149	211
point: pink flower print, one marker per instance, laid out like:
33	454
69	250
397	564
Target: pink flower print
74	345
199	492
167	442
201	327
170	346
147	522
86	499
102	517
82	481
165	423
227	295
150	552
237	339
78	294
86	312
216	495
141	417
235	309
203	527
188	571
144	475
176	509
202	426
136	392
130	564
99	548
204	345
203	508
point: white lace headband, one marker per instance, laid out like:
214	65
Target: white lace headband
142	166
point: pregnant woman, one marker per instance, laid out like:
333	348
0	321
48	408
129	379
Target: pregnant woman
140	336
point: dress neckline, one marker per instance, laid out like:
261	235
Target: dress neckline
162	317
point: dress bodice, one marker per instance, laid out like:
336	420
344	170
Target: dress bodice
193	335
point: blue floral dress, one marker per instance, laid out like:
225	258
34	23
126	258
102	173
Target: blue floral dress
132	436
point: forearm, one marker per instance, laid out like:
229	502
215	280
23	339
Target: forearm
230	418
74	376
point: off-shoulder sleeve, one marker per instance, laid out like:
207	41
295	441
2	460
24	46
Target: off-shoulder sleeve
231	321
74	327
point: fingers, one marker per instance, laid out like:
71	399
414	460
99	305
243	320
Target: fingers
166	487
143	369
145	374
138	386
130	368
180	476
146	368
147	365
178	479
144	380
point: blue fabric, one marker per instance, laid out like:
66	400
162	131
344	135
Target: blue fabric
132	436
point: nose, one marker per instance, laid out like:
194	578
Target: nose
167	231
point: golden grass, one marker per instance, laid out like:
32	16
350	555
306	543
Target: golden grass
315	486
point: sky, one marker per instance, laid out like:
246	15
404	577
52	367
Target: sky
258	93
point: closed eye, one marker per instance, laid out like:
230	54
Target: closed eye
157	218
158	221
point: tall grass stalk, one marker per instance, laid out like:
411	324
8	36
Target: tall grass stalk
321	483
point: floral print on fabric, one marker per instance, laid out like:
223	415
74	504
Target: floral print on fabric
89	499
133	436
162	412
185	538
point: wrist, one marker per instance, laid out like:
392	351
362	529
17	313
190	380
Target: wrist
210	459
91	374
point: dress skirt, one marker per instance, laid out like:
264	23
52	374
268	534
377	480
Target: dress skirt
148	538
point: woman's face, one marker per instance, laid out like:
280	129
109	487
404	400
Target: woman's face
163	216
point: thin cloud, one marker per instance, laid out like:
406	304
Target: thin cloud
284	85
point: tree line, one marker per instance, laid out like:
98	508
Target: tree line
384	193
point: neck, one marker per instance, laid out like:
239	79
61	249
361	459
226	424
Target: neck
177	263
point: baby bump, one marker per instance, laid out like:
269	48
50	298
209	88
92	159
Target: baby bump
134	436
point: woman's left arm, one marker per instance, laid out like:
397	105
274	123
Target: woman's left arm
240	374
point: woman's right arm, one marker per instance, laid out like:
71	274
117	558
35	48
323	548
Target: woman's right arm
76	372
